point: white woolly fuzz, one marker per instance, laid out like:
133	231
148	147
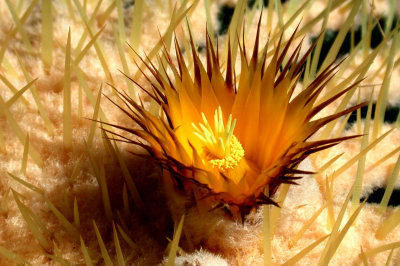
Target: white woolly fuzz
200	258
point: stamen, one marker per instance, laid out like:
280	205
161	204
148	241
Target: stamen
221	148
232	159
228	125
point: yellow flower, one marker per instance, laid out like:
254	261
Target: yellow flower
234	137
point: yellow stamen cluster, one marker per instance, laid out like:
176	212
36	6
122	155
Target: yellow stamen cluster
232	159
222	149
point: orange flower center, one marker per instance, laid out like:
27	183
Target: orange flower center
231	159
220	147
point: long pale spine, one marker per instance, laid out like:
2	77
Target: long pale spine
47	33
67	118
